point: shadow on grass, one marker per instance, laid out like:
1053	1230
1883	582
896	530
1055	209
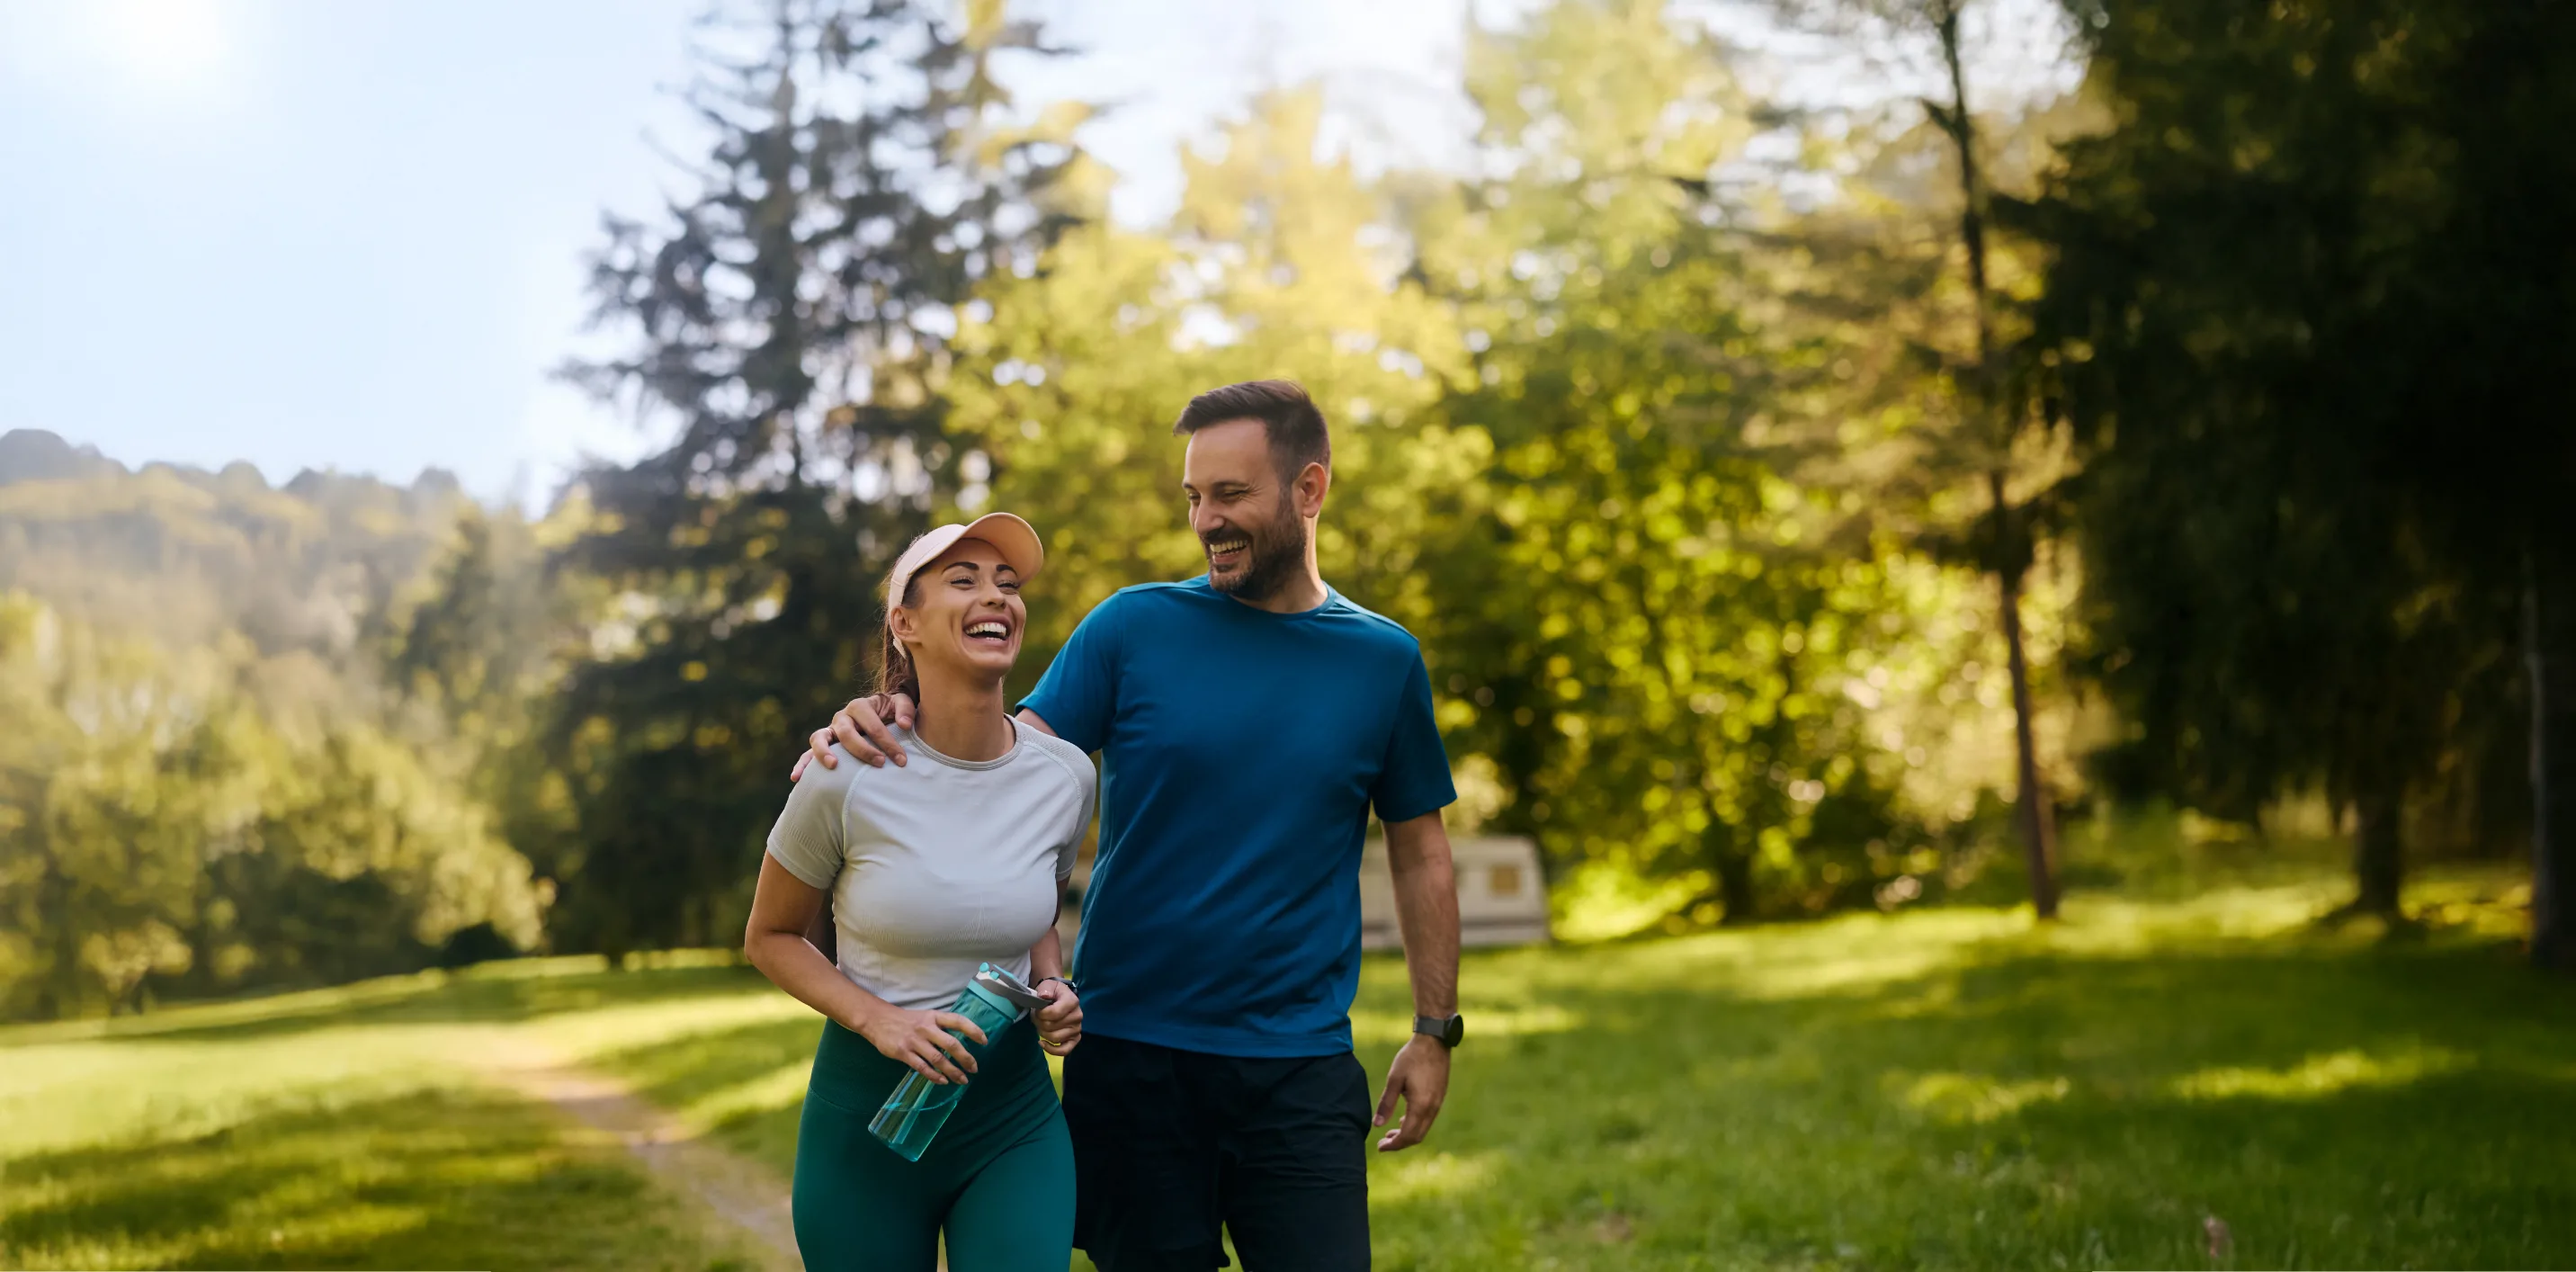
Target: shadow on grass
2017	1108
431	1179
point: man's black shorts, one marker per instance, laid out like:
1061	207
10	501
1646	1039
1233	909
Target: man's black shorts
1168	1145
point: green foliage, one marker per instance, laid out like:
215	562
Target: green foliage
210	783
159	835
1681	648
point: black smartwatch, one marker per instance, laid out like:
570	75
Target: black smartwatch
1450	1031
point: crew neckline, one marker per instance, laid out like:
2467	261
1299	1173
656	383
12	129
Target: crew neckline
913	741
1331	594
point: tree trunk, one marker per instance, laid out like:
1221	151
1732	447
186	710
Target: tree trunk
2378	855
1731	860
59	996
2011	552
2033	816
1735	888
2549	651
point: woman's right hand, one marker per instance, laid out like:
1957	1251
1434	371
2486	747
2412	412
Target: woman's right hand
921	1039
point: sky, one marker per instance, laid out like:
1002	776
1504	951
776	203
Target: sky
349	234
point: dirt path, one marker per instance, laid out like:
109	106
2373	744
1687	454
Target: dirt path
743	1203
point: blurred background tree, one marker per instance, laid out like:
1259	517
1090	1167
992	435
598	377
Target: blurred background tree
1663	638
1975	447
163	835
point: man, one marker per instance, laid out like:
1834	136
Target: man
1250	720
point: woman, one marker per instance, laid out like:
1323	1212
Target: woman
956	858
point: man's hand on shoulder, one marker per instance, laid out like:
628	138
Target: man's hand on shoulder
862	729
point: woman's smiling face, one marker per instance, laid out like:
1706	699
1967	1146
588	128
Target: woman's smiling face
966	611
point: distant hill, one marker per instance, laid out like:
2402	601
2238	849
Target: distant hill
188	557
32	454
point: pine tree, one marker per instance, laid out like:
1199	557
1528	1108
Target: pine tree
788	323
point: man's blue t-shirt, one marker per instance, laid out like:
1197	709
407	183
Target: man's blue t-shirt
1243	751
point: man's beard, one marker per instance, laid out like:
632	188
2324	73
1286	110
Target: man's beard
1275	555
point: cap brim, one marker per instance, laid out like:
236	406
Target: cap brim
1015	539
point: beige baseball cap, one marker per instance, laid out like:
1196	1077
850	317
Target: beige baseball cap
1015	539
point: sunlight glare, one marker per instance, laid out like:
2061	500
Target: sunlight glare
161	44
2320	1075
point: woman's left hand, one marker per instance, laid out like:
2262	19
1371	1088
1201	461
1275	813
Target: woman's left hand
1060	1021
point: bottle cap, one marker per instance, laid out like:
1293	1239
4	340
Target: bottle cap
1000	983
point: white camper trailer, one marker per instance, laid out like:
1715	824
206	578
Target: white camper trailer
1502	899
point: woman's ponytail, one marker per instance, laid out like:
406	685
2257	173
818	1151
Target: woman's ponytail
895	672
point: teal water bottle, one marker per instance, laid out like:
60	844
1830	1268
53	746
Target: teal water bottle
995	1000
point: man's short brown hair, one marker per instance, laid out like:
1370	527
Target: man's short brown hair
1288	417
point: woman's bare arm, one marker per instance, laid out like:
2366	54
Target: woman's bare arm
1060	1021
783	910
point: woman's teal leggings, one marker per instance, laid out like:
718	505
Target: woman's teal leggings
998	1180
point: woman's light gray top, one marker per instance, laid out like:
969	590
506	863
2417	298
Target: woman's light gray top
940	864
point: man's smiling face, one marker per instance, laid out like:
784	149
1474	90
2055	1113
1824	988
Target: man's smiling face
1243	512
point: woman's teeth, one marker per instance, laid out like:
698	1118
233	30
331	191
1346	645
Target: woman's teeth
988	630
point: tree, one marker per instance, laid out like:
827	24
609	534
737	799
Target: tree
2307	248
1992	400
1673	652
788	321
2489	332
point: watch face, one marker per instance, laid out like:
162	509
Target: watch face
1455	1031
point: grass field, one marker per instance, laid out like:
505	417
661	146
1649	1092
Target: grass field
341	1129
1944	1089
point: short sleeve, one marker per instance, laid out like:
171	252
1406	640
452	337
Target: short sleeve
1078	695
807	839
1072	846
1415	777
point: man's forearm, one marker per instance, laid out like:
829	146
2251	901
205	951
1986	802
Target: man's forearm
1426	909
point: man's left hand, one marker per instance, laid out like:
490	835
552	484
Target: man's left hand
1420	1078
